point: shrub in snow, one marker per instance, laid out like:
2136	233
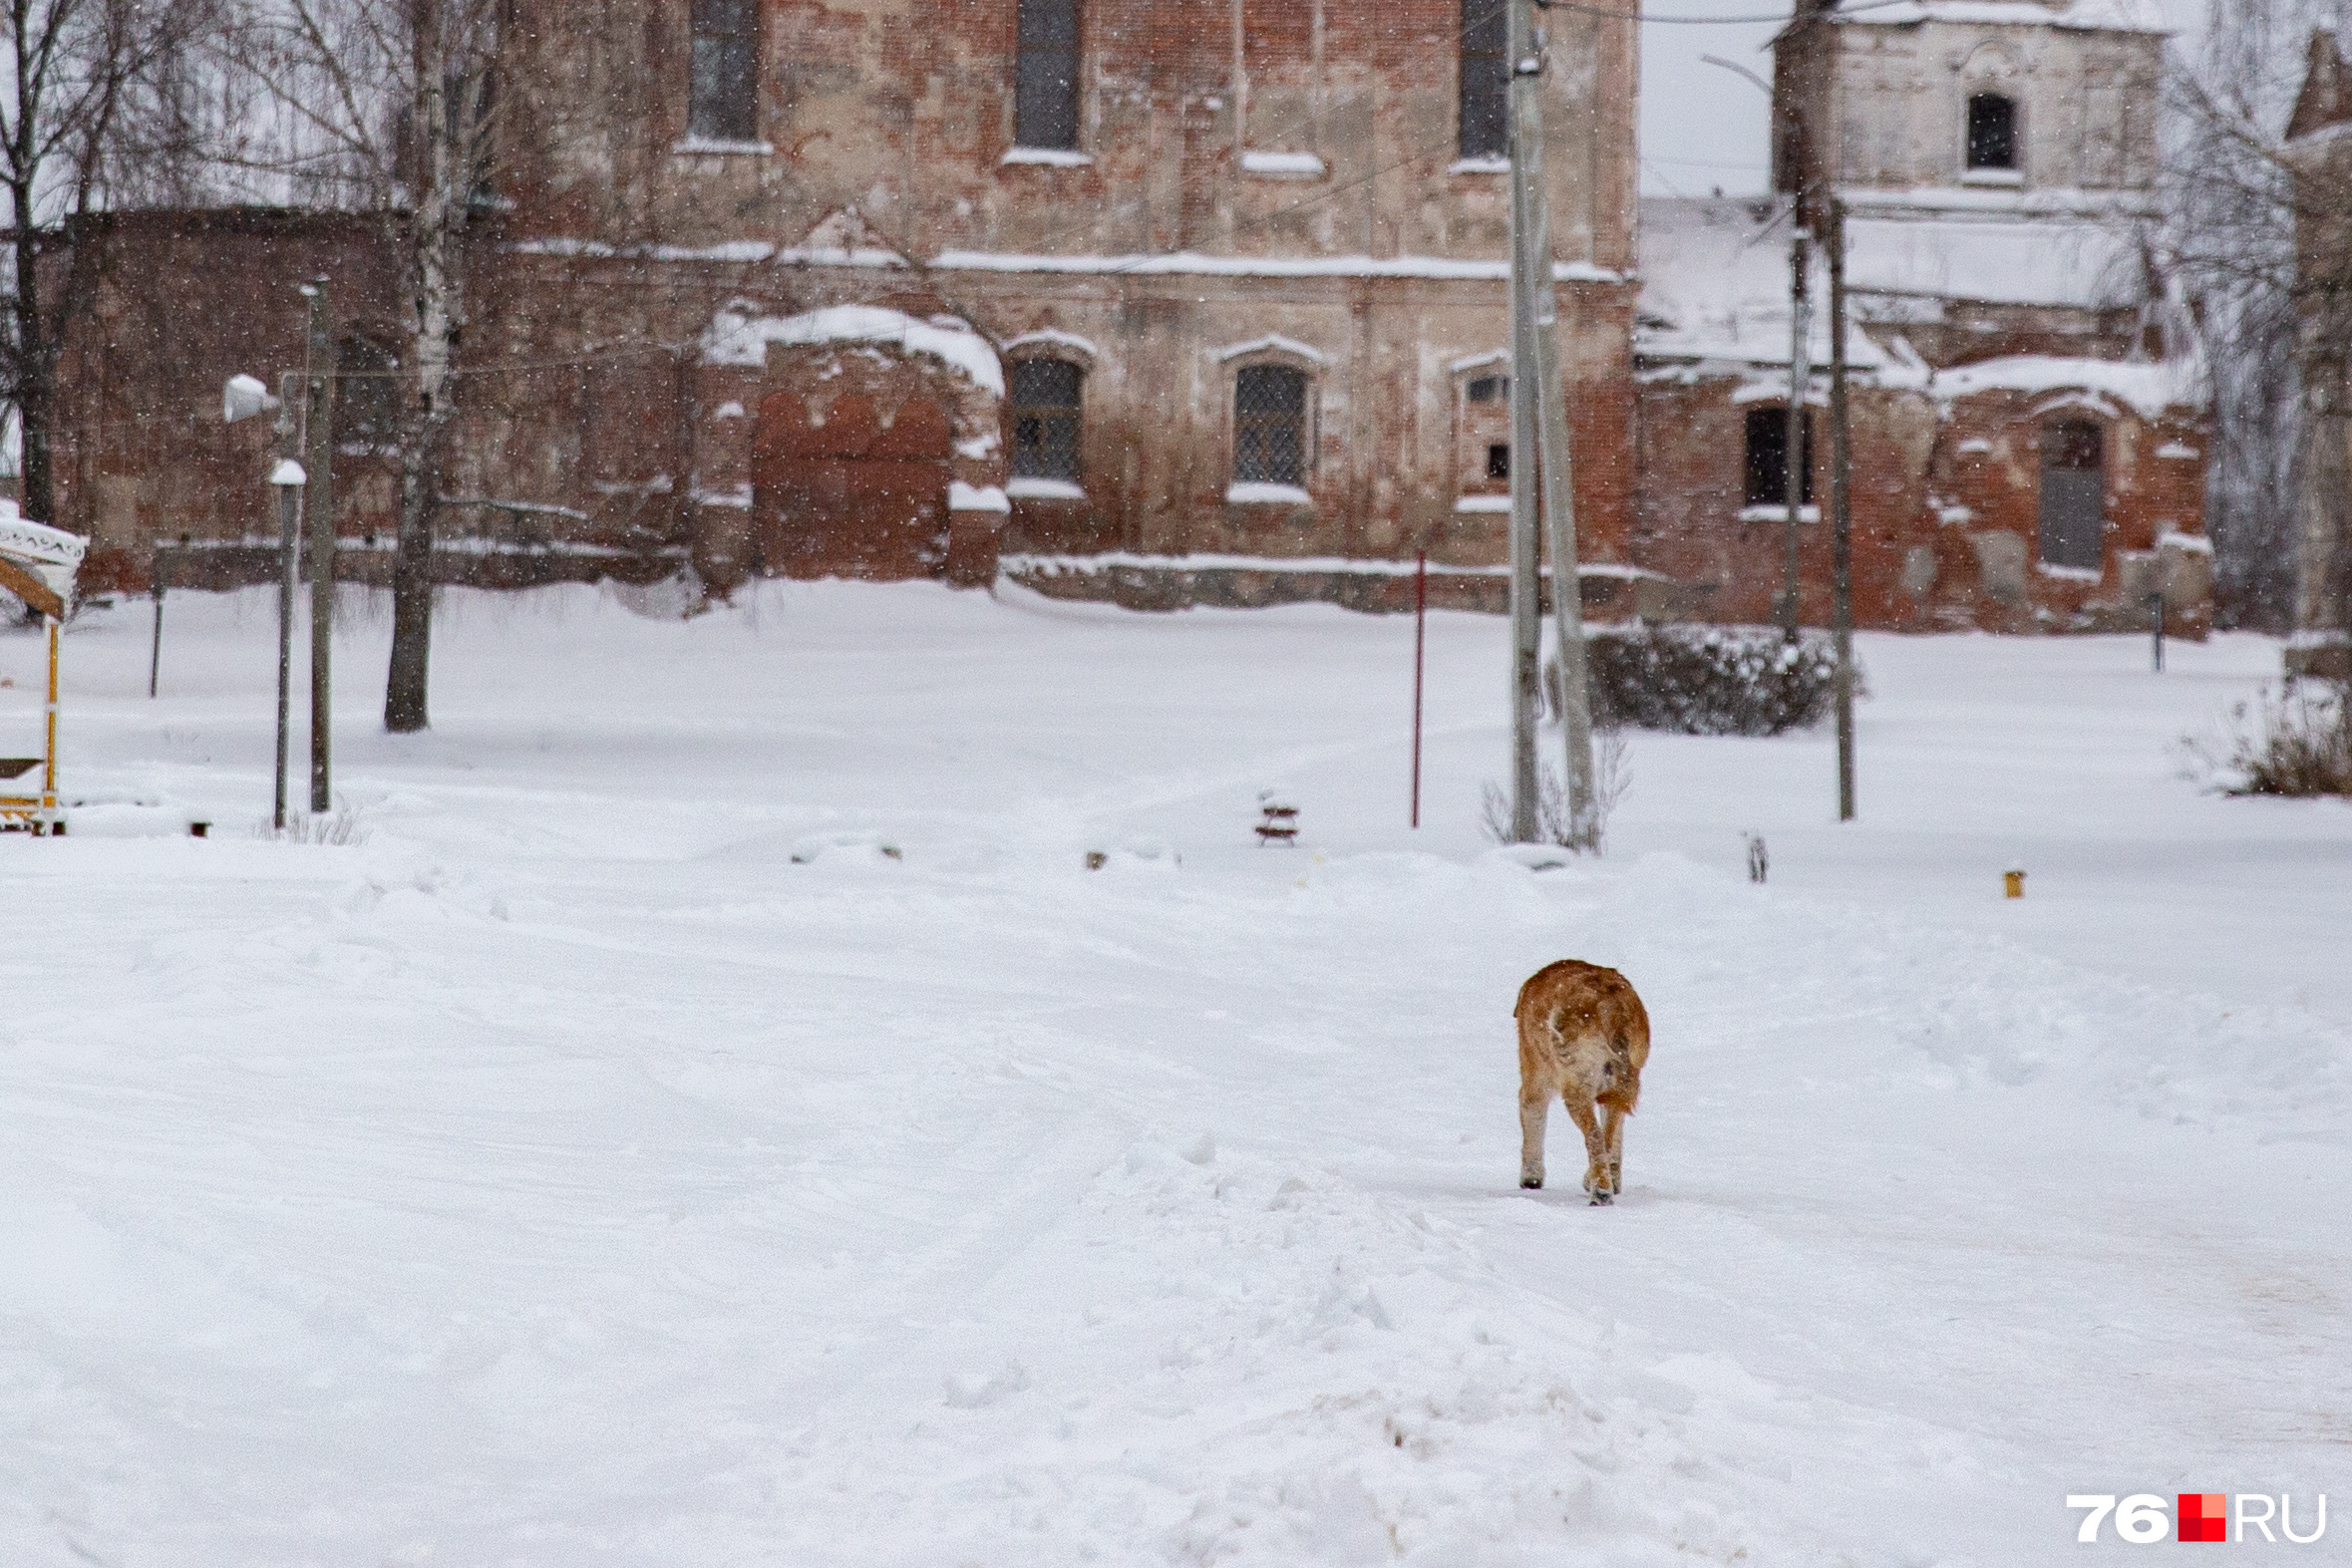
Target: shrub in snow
2297	742
1704	680
1612	776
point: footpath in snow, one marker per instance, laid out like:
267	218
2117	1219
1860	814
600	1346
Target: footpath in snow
712	1115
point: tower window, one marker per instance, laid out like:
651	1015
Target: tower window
1992	132
722	97
1045	80
1485	78
1768	459
1045	407
1269	426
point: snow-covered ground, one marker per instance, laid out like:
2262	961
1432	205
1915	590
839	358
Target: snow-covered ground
567	1174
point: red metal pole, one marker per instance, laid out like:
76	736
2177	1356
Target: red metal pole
1420	636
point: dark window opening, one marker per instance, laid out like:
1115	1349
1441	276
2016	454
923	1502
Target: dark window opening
723	100
2074	496
1269	426
1489	389
1499	460
1992	132
1485	79
1044	412
367	397
1768	459
1045	76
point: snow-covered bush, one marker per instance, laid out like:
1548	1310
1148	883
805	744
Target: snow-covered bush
1706	680
2293	743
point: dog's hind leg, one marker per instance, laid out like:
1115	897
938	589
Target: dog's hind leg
1596	1155
1534	1104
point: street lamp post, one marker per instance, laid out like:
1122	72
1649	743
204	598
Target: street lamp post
288	479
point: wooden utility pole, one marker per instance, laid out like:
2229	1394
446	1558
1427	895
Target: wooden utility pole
1539	452
319	507
1841	510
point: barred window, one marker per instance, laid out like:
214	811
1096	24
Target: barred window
1045	398
1992	132
1269	426
1045	76
1768	459
1485	78
722	97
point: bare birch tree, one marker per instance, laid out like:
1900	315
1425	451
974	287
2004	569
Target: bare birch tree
389	106
98	111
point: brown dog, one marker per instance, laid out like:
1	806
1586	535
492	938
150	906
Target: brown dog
1584	1036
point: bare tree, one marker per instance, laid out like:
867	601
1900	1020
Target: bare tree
98	111
2236	207
390	105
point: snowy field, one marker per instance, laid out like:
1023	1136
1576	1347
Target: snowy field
566	1175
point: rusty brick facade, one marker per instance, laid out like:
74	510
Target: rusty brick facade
1250	190
2028	427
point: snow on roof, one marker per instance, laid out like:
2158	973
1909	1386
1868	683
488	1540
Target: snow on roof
1715	272
2149	386
2038	262
735	338
37	541
1715	285
2104	16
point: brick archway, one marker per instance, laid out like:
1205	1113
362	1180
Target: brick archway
848	488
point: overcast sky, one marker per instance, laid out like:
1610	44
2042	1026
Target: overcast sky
1702	126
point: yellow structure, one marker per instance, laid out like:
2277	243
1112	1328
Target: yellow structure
37	564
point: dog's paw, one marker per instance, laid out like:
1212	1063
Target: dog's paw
1532	1183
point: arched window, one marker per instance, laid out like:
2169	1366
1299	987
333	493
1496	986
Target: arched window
1269	426
1485	79
1768	460
2074	496
1045	76
722	97
1046	396
1992	132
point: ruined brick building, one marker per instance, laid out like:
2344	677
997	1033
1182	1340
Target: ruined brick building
2319	147
890	289
1203	300
2027	416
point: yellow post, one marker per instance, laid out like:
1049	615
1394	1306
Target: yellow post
49	748
2012	884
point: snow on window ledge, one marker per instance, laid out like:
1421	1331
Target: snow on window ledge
2169	538
707	147
1992	176
1479	166
2069	573
1481	503
1045	490
975	497
1284	165
2178	450
1778	512
1046	157
1258	494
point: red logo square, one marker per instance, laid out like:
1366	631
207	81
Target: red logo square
2204	1516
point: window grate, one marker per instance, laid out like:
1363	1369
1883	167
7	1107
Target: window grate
1045	76
1485	78
1269	426
722	97
1045	400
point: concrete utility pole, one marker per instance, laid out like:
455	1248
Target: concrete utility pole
1539	451
319	497
1841	510
1799	385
